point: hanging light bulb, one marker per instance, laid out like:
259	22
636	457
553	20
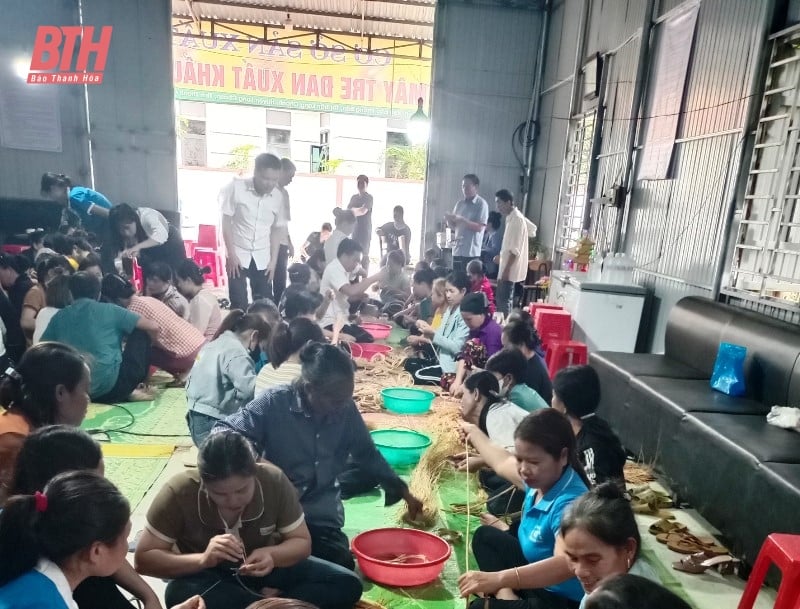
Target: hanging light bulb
419	126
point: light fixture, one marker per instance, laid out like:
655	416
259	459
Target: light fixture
21	67
419	126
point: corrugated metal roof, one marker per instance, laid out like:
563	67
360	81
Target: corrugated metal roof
404	19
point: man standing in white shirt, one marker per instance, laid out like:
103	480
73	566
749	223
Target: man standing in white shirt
282	248
249	210
513	265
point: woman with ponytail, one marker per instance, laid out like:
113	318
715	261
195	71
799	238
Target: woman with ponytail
527	564
223	377
49	386
285	344
520	334
204	312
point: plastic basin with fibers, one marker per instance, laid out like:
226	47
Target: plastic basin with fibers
405	400
378	331
400	446
400	557
368	351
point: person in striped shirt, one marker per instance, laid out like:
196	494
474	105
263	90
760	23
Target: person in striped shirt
284	347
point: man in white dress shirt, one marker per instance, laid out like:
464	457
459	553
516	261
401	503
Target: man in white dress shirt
249	210
513	263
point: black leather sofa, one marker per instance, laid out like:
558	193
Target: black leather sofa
718	453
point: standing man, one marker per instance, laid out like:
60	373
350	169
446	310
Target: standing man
282	248
361	204
249	210
513	259
469	218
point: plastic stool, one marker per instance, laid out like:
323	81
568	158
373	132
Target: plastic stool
563	353
541	306
210	258
138	279
13	250
188	247
552	324
783	551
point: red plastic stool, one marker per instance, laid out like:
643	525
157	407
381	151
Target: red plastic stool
783	551
13	250
541	306
210	258
188	247
563	353
552	324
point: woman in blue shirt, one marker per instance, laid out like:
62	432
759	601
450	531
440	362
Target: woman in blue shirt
521	569
91	206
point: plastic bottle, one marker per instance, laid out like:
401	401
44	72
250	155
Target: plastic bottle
595	267
610	269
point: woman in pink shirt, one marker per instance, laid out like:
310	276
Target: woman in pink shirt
176	346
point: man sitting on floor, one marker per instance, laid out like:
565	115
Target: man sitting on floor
98	329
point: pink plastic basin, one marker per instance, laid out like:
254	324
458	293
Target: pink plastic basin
378	331
425	555
368	350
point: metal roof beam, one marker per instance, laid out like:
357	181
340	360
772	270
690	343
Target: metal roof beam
276	9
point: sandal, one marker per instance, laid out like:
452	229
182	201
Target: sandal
665	526
684	542
700	562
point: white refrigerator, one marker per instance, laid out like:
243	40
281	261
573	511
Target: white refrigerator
605	316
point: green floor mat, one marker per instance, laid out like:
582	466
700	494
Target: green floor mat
367	512
134	477
161	421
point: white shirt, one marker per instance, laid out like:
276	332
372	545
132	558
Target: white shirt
334	277
43	318
331	246
52	572
154	224
252	217
515	241
502	421
284	217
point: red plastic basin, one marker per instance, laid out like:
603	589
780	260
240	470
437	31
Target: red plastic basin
376	549
378	331
368	350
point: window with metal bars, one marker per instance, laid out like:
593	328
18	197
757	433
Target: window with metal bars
765	266
574	197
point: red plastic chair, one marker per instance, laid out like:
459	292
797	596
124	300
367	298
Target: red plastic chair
783	551
188	247
552	325
205	253
207	236
563	353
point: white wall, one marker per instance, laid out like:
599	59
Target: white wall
305	133
228	127
359	142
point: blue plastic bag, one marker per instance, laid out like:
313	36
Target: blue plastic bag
728	376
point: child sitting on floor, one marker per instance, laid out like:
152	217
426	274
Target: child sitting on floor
576	393
420	306
270	314
223	378
395	287
480	283
159	286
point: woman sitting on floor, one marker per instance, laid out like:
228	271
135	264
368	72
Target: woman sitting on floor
265	548
52	541
177	343
50	451
159	286
284	352
204	312
483	405
632	592
483	342
576	393
50	385
223	377
439	347
601	538
509	367
519	333
522	569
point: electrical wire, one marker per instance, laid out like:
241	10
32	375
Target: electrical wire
124	429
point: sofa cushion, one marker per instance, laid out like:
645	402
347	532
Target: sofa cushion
775	497
692	395
745	433
694	330
645	364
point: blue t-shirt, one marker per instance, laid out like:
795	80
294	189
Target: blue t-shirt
97	329
81	200
33	590
540	525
